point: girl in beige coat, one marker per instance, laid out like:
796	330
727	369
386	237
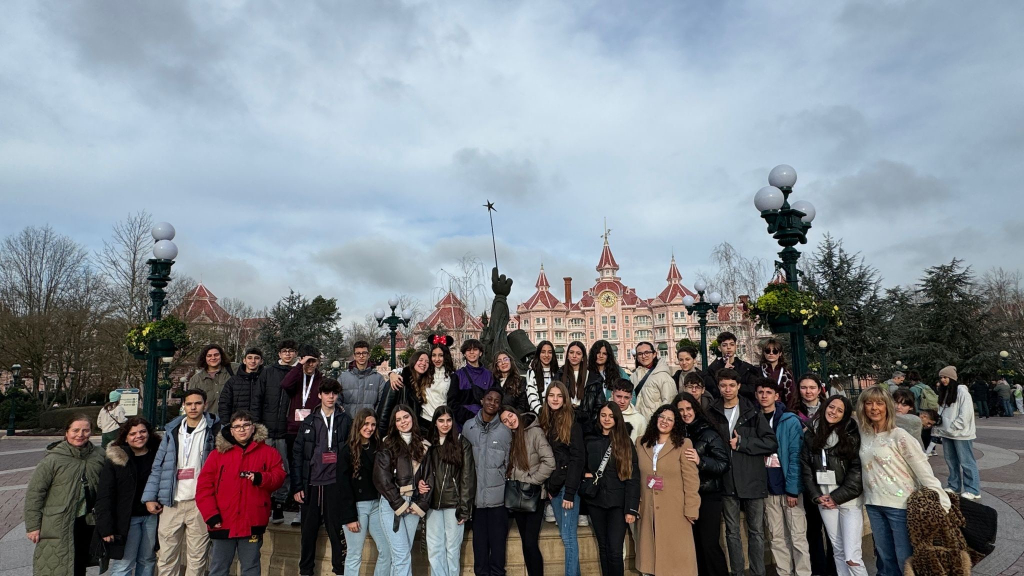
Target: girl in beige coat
669	502
531	461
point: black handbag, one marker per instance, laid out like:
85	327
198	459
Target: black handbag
589	488
980	527
521	496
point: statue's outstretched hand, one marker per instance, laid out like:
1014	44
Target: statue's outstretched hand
501	285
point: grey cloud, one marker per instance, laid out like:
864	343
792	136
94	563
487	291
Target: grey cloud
379	263
840	133
505	175
881	187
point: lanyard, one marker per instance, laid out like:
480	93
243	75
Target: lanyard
306	389
330	428
186	442
824	460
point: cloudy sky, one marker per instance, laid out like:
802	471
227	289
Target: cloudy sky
346	148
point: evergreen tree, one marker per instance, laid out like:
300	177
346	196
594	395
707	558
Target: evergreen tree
953	321
316	322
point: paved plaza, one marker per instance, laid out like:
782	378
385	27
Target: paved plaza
999	448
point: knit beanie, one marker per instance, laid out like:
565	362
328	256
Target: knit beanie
114	396
948	372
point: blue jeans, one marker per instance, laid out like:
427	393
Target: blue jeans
444	542
1007	407
368	516
566	520
139	548
959	457
401	541
892	542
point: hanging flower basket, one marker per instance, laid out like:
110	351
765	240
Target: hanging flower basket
784	310
165	336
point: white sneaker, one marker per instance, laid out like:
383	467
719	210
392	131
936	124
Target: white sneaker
549	513
297	521
583	520
970	496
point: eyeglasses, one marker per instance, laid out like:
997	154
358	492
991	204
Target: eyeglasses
667	419
693	386
241	426
504	360
363	353
645	353
772	351
287	351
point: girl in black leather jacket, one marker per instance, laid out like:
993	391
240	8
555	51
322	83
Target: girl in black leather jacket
711	455
830	464
453	489
400	474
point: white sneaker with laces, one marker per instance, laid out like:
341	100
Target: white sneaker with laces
970	496
549	513
583	520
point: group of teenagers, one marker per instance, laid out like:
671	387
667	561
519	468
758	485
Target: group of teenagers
656	456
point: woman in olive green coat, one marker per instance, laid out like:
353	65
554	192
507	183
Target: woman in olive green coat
58	505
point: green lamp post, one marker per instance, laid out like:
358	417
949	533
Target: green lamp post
164	253
1004	358
393	322
823	350
788	224
335	369
701	308
15	377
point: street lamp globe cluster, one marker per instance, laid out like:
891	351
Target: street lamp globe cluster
393	321
788	224
701	308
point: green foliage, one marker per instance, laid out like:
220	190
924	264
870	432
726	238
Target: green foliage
687	342
170	328
26	410
316	322
857	344
403	357
378	355
781	300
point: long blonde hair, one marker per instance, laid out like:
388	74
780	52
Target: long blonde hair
875	393
557	424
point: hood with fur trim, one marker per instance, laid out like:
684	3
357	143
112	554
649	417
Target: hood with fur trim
225	441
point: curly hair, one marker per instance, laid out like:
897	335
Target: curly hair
677	435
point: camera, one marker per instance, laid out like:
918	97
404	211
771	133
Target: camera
244	474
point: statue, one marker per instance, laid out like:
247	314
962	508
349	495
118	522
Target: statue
495	336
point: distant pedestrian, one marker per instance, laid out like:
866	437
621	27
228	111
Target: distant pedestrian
1005	393
110	418
59	500
126	528
979	392
958	430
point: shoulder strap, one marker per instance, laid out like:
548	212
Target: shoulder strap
604	462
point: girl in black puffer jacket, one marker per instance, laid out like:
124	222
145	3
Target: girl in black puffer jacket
453	489
835	484
359	499
711	456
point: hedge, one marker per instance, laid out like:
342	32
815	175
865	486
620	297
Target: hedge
58	417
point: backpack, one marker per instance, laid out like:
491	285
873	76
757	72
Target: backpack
929	398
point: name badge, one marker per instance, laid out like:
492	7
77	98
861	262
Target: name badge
329	457
186	473
655	482
773	461
826	477
301	414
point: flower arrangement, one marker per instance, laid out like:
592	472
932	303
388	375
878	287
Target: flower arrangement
171	328
780	303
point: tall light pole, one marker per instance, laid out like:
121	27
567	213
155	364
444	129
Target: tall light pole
335	369
164	253
1004	357
788	224
701	309
165	387
393	322
15	377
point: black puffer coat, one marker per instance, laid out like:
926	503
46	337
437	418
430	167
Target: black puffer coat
714	455
747	476
518	401
453	486
306	441
241	392
848	471
391	399
116	496
356	487
569	463
594	398
613	492
274	400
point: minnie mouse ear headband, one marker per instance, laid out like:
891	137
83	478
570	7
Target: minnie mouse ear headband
440	340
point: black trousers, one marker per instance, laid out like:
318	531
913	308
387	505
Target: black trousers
609	526
707	533
818	544
83	538
321	506
529	524
490	535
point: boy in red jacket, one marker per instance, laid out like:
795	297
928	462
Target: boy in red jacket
233	494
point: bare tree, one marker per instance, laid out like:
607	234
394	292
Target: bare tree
123	263
236	337
367	330
39	270
736	276
1003	295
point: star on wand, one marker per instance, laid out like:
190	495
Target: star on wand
490	208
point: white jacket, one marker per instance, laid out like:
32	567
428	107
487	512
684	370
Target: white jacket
958	418
659	388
